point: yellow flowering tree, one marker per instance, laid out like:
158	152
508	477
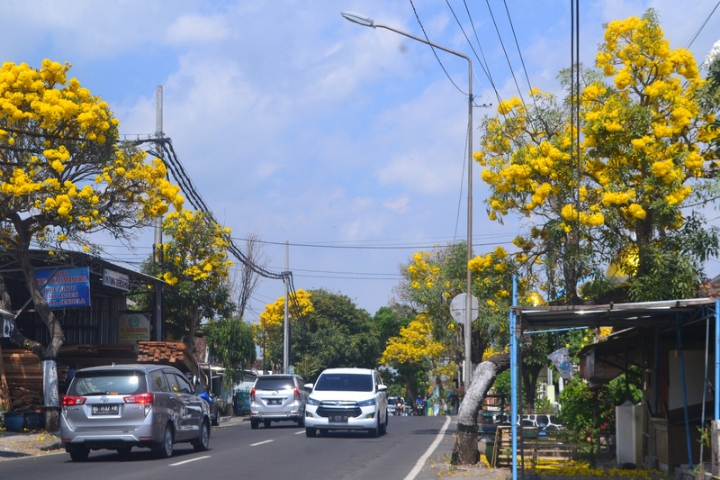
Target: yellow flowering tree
644	150
269	331
64	176
195	266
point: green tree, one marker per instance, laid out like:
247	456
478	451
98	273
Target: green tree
336	333
64	177
231	342
195	266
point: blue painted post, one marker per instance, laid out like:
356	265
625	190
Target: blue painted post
717	358
684	391
513	379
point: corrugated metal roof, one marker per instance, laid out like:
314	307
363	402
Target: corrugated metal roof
619	315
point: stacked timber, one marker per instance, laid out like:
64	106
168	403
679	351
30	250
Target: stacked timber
24	399
167	353
23	368
162	351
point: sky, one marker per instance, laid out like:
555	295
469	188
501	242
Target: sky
341	147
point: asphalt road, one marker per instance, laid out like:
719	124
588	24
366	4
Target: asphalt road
282	451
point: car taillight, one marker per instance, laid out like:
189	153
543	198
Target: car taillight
69	400
252	394
296	392
143	398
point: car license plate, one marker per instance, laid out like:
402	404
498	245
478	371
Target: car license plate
338	418
274	402
105	409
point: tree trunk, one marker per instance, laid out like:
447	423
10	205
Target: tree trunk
48	354
465	451
466	440
194	322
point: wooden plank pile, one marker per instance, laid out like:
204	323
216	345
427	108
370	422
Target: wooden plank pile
161	351
168	353
23	368
24	399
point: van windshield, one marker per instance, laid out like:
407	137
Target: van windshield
344	382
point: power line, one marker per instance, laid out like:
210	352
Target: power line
417	17
703	25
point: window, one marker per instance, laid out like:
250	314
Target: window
348	382
157	381
172	381
274	383
108	383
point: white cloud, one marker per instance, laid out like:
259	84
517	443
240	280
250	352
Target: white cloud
188	29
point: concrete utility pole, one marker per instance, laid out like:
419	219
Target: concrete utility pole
157	245
366	21
286	323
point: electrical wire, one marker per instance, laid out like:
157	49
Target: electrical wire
703	25
417	17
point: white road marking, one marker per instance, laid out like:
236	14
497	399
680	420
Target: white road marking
421	462
260	443
188	461
301	432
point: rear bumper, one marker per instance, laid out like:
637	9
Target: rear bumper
276	416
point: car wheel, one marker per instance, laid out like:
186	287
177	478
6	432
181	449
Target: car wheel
79	454
216	418
201	443
267	423
165	448
374	432
383	426
254	424
309	432
124	451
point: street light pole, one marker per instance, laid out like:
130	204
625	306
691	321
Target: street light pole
369	22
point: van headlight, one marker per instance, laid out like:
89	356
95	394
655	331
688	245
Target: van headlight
367	403
312	401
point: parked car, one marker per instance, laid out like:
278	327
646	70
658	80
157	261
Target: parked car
276	398
119	407
212	401
347	399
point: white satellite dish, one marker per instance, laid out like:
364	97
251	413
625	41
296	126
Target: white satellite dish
457	308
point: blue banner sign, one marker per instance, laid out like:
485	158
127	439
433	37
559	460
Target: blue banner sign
67	287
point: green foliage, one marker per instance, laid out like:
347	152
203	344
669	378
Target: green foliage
231	342
678	259
544	405
389	321
335	334
578	401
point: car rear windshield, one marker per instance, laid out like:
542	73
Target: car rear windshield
108	383
348	382
392	401
278	383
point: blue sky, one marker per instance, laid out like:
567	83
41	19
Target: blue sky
296	125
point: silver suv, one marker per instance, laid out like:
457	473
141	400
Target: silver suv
276	398
124	406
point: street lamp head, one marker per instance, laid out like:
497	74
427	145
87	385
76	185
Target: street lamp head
358	18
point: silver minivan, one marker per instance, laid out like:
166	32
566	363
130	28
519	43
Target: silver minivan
277	398
119	407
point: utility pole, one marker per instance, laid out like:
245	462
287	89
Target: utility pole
286	323
157	245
